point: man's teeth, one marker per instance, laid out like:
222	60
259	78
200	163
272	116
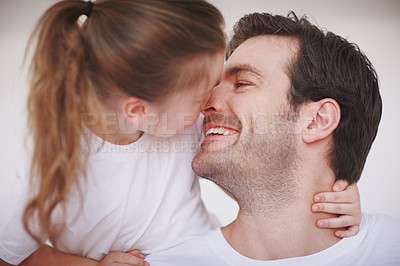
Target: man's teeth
218	131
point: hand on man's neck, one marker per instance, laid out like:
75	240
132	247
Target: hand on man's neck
284	233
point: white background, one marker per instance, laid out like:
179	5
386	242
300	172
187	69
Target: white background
373	25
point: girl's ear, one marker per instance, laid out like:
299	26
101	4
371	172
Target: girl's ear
135	110
324	117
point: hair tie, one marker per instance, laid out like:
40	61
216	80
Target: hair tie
89	7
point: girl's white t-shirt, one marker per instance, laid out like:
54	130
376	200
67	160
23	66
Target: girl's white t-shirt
139	196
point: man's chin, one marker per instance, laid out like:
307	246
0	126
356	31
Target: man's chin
215	145
209	161
202	161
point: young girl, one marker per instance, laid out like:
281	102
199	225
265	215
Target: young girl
109	103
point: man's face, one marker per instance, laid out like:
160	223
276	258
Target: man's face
249	125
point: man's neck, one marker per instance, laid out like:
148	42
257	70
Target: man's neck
288	232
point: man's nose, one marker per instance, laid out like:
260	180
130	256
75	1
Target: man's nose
216	101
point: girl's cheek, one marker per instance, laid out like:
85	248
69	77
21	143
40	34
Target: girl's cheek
190	122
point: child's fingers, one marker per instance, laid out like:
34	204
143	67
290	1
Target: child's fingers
351	231
130	259
335	208
340	185
137	253
122	258
130	264
338	222
332	197
347	196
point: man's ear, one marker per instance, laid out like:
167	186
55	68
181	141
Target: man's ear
323	119
135	110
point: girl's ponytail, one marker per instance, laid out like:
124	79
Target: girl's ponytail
60	92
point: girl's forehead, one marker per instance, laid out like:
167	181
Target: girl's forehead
201	72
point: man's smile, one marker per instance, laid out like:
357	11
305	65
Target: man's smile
220	133
213	129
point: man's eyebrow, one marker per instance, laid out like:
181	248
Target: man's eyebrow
231	71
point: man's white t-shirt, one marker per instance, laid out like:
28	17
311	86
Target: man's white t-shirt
139	196
377	243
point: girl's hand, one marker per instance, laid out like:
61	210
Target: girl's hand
343	201
134	257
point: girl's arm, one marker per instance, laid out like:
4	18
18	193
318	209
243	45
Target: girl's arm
343	201
47	255
3	263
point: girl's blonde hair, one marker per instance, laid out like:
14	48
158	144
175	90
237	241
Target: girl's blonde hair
135	48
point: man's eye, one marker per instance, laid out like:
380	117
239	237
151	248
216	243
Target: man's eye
241	84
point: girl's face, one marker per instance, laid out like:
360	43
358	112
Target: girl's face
183	108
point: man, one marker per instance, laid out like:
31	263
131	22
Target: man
294	104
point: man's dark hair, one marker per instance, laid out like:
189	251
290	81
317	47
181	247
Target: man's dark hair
326	66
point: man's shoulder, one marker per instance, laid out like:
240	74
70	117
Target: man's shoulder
381	222
381	227
379	241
